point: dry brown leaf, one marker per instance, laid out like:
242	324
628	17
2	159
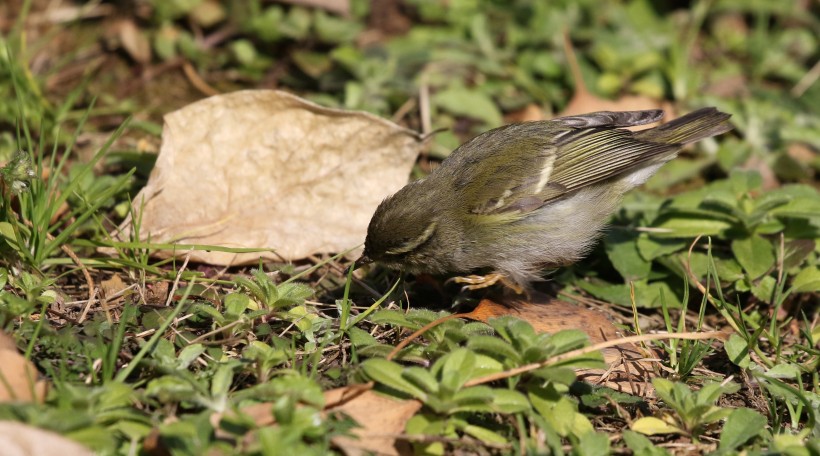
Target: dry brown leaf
629	371
111	287
266	169
18	376
134	41
341	7
531	112
381	419
18	439
802	153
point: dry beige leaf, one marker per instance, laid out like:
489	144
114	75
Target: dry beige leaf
380	418
341	7
18	439
18	376
530	113
266	169
134	41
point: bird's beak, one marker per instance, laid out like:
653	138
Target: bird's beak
363	260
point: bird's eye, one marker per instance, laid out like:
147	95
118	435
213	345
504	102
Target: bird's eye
410	244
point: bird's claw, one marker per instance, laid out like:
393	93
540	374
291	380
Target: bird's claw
477	282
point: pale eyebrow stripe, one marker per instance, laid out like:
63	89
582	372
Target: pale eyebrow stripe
431	228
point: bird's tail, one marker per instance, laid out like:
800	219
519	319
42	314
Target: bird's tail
701	124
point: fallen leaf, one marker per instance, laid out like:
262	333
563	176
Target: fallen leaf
266	169
531	112
18	439
133	40
629	367
802	153
340	7
18	376
111	287
380	418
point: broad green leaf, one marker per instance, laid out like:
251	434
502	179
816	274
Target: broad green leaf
641	446
622	250
235	304
763	289
568	339
651	247
688	226
389	374
469	102
483	434
221	382
650	425
455	368
755	254
509	401
741	425
593	444
807	280
421	378
188	354
495	347
738	351
392	317
800	207
361	338
474	399
784	370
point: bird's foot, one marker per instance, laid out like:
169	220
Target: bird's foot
477	282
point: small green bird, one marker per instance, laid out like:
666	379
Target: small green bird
526	196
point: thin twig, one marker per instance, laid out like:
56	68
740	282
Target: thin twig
593	348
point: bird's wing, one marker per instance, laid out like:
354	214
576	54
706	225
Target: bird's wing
581	150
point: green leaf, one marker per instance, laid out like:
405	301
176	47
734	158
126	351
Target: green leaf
641	446
495	347
361	338
650	425
483	434
189	354
754	254
622	250
683	225
593	444
784	370
455	368
509	401
392	317
763	289
741	425
651	247
235	304
421	378
470	103
221	382
738	351
807	280
389	374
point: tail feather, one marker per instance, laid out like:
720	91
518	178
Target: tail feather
701	124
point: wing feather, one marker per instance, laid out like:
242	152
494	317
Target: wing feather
583	151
